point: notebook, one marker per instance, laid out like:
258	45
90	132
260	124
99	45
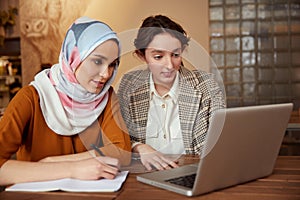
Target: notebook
72	185
242	144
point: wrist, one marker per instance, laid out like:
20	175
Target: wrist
71	169
141	148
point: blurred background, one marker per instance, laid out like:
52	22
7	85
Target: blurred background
255	44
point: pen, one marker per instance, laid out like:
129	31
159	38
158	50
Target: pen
101	154
97	150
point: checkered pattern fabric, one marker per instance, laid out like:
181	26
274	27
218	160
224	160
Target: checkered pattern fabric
199	97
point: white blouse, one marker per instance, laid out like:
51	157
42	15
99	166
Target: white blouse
163	131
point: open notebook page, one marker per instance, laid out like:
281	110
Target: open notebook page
72	185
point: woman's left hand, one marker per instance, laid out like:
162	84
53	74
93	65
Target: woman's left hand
152	158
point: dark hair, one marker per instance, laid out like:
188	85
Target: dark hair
154	25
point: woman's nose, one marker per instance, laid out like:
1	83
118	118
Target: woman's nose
168	62
104	73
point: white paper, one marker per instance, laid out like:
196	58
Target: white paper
73	185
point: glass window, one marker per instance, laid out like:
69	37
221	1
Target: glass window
248	58
296	58
215	2
248	27
256	45
295	7
232	1
232	12
295	72
295	44
216	13
249	90
296	90
282	90
265	59
232	28
248	43
282	75
265	90
233	75
265	43
248	1
249	74
218	59
282	59
264	11
249	100
282	42
264	28
295	26
233	59
234	90
280	10
248	11
217	44
265	74
216	29
233	44
281	26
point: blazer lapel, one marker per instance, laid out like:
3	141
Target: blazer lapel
189	103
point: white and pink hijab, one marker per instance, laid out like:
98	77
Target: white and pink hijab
67	107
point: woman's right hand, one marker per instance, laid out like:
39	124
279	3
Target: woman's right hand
152	158
95	168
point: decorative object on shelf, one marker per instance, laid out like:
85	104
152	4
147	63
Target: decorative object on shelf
46	24
7	20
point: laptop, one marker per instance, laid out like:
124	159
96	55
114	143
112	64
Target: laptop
242	144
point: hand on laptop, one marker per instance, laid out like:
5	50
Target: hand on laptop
152	158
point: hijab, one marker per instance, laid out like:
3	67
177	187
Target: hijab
67	107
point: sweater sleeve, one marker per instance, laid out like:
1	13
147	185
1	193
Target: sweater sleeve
13	122
115	135
24	131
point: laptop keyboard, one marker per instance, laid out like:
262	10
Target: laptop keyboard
186	181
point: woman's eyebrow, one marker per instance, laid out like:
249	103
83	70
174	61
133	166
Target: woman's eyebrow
175	50
161	51
100	56
157	51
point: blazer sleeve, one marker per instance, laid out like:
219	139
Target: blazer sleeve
123	92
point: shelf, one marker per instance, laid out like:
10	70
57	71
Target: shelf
10	76
4	90
11	47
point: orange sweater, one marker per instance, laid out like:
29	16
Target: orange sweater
24	131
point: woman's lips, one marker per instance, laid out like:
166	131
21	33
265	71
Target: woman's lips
167	74
99	84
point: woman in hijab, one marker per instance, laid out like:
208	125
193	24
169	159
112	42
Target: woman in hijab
52	123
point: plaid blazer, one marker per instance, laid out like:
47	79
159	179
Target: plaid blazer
199	96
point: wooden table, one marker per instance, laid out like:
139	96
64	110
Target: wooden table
283	184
